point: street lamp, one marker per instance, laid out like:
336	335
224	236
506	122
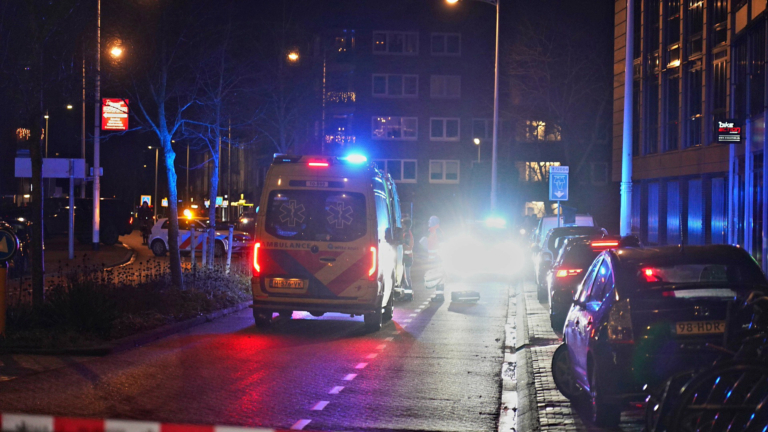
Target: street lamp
116	51
477	143
494	153
69	106
157	156
293	56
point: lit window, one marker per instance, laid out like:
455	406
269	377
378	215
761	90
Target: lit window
443	171
537	130
534	171
444	129
446	44
395	85
395	128
390	42
445	86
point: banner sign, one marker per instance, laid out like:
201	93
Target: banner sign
114	114
558	183
727	132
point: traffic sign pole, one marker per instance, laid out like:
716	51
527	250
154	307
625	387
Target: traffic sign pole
3	280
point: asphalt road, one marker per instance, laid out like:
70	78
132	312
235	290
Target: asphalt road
435	367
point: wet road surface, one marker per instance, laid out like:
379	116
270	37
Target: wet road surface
435	367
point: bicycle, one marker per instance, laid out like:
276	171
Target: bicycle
732	394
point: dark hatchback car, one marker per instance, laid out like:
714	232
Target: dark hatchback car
575	257
641	315
552	243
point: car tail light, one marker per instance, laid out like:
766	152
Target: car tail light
256	266
561	273
620	323
650	275
604	244
374	264
131	221
318	164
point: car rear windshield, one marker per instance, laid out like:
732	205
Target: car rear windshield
688	274
579	257
572	232
316	215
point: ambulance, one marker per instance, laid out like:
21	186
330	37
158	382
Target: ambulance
328	239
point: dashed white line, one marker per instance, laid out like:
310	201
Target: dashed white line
371	356
389	339
319	406
350	377
381	347
413	315
299	425
336	390
361	365
404	325
408	320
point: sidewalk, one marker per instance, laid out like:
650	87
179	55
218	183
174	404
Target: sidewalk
57	255
538	405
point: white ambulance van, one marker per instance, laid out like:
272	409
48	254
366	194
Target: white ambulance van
328	239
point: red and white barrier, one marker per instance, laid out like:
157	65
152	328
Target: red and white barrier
42	423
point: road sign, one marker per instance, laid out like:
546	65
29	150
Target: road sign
9	244
727	131
558	183
164	202
52	168
147	199
114	114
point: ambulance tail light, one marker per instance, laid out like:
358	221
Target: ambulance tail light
372	273
318	164
256	266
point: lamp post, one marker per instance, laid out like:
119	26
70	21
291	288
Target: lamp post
97	135
494	153
625	220
477	143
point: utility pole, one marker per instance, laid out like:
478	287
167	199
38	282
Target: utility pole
229	168
187	198
82	128
494	154
157	155
625	220
97	135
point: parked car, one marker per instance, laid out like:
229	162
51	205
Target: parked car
641	315
553	241
19	264
567	272
247	223
158	239
548	222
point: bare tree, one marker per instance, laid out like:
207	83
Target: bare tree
557	76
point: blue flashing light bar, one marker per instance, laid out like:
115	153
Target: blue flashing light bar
356	159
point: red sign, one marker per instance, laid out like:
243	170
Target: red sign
114	114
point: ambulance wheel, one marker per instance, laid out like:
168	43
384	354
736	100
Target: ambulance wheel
317	314
389	309
158	248
262	319
373	320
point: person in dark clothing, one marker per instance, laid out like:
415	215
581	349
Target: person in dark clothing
146	220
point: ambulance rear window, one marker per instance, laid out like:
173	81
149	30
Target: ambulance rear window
315	215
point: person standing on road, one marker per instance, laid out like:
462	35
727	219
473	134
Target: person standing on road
408	256
145	221
434	238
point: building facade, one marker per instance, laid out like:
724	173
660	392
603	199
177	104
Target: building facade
696	64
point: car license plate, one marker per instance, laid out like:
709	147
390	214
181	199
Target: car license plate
287	283
699	327
317	184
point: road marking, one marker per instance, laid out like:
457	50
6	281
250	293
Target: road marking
336	390
389	339
350	377
381	347
371	356
319	406
404	325
361	365
415	314
299	425
408	320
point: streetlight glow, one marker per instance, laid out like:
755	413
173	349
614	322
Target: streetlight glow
477	141
293	56
69	107
116	52
452	1
45	116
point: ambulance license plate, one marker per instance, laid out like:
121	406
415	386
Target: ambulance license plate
287	283
699	327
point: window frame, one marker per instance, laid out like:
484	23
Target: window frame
402	169
388	34
445	52
402	137
386	86
444	163
444	120
445	95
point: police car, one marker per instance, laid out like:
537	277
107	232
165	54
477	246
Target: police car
158	239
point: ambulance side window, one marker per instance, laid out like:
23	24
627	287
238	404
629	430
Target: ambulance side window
395	205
